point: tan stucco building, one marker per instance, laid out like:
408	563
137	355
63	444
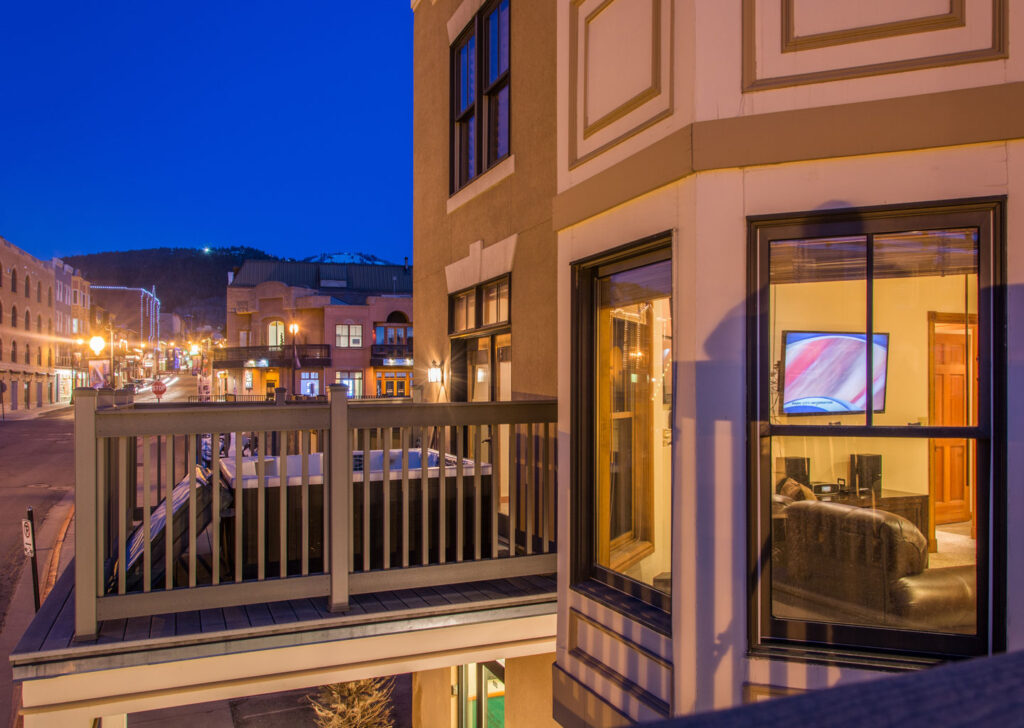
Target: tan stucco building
27	346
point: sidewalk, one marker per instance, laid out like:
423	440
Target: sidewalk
59	522
30	414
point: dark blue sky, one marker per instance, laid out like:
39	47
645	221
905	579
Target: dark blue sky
282	125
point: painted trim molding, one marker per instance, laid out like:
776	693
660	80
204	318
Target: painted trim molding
661	84
967	116
461	18
483	182
997	50
481	264
577	706
955	17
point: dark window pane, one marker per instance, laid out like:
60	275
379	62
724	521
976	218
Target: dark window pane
503	37
493	47
497	134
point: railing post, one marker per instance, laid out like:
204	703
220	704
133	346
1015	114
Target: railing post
86	497
341	498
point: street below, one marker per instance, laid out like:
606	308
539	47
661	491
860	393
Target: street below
37	470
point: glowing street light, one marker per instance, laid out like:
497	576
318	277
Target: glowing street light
97	343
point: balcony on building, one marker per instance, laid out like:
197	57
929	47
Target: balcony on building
309	355
239	548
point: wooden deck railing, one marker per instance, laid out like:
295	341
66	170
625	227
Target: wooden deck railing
200	507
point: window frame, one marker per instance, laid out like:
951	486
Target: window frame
878	646
479	109
644	603
478	311
347	336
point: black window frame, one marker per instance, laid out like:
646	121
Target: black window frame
864	646
479	109
638	601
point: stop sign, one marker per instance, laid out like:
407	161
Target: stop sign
159	388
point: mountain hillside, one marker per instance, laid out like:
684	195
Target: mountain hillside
189	281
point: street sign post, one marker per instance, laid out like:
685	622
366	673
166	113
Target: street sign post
159	389
28	542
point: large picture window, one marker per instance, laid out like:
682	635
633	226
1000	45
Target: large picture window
875	381
480	94
622	395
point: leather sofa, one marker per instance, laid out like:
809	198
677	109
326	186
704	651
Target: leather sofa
866	566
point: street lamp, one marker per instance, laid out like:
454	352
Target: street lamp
293	329
97	343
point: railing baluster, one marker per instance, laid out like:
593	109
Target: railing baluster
215	506
425	500
261	514
513	500
238	505
304	458
366	499
147	549
547	516
460	518
477	445
169	513
282	500
341	498
386	492
122	511
495	487
190	458
442	481
404	431
531	485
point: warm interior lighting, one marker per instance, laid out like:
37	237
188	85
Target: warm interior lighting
97	343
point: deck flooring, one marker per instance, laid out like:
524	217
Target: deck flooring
50	637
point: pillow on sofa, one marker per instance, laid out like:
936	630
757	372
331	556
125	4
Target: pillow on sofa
797	491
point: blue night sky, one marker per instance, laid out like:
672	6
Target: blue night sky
285	126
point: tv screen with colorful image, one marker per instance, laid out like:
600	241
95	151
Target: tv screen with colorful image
826	372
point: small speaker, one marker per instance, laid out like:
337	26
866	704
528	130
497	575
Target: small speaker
866	473
799	469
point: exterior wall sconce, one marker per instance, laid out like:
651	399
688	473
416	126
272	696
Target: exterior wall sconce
434	373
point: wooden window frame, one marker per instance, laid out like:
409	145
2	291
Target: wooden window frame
478	110
585	573
865	646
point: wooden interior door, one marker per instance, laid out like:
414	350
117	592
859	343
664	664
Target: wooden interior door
952	400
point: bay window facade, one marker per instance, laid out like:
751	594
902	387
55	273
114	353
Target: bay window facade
874	468
622	482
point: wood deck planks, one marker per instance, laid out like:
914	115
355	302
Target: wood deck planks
235	618
281	612
53	628
39	628
137	628
212	620
111	630
63	630
187	623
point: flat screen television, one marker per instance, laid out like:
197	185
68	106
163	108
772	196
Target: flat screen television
825	372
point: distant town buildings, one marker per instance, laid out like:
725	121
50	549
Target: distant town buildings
305	325
26	329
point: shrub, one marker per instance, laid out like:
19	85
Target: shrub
356	704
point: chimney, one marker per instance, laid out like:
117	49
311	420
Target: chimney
406	264
231	276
